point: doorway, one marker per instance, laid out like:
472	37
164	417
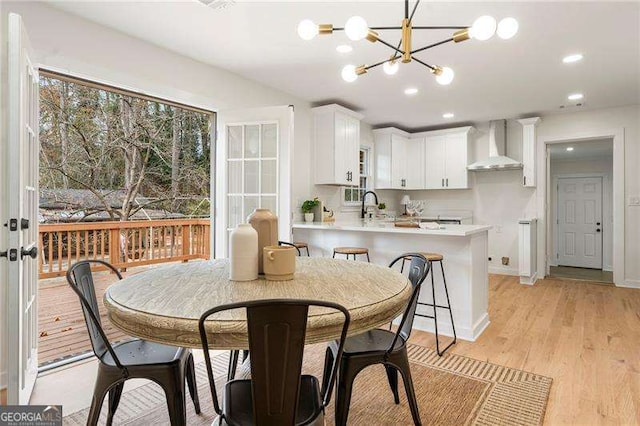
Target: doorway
582	210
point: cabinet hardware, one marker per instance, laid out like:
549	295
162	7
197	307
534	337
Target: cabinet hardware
13	224
32	252
598	230
598	223
24	224
524	180
447	182
443	182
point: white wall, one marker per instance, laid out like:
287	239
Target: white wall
597	166
70	44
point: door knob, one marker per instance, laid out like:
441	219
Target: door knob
32	252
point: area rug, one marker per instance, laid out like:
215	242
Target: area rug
451	390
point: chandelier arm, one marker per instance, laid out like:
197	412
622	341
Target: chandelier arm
397	49
440	28
414	10
406	9
432	45
385	28
423	63
377	64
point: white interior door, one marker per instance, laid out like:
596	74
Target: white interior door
253	155
22	200
580	222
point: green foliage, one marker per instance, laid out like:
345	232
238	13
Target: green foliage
308	205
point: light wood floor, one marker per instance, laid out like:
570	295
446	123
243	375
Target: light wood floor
584	336
597	275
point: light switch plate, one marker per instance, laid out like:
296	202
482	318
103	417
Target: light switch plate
634	201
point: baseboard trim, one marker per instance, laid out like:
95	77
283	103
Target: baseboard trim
503	271
529	280
444	328
630	284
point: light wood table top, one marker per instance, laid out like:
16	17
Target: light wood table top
164	304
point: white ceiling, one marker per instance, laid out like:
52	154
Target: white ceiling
494	79
582	150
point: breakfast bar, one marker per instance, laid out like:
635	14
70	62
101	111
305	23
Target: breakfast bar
464	248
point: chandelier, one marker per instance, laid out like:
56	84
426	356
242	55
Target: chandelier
356	28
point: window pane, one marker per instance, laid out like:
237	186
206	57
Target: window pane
269	177
250	204
251	177
234	138
235	211
363	182
235	177
347	194
269	140
252	141
269	202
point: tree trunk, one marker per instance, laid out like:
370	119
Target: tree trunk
63	89
175	157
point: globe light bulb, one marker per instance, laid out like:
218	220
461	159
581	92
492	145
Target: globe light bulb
349	73
507	28
391	67
307	29
483	28
356	28
446	76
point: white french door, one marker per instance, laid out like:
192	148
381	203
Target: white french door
22	227
254	156
580	222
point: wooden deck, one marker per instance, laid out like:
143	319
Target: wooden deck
61	325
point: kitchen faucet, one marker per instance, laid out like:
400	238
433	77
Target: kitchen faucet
363	211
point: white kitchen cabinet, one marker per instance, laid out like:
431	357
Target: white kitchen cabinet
336	140
529	151
446	158
399	160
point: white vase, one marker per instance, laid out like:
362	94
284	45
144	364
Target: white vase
308	217
243	253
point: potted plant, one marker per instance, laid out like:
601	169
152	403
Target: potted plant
382	206
307	209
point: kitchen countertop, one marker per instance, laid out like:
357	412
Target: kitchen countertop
389	227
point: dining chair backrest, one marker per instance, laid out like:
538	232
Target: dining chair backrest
285	243
277	331
418	270
80	278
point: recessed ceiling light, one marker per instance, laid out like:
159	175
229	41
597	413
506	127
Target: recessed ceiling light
575	96
448	115
572	58
569	148
344	48
410	91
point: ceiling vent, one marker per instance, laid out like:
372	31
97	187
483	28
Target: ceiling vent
218	4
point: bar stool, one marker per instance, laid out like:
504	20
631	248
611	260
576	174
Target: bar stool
300	245
431	258
354	251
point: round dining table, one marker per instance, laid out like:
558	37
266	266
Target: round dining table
164	304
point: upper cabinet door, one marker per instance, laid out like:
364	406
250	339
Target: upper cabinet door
415	164
434	161
336	143
398	162
457	175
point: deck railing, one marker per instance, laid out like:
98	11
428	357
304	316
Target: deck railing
123	244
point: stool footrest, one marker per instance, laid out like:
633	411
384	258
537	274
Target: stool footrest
431	304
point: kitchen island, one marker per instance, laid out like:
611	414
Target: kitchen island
464	248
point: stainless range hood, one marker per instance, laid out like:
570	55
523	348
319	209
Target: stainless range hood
497	148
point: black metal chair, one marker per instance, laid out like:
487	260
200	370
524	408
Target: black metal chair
285	243
380	347
166	365
277	393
